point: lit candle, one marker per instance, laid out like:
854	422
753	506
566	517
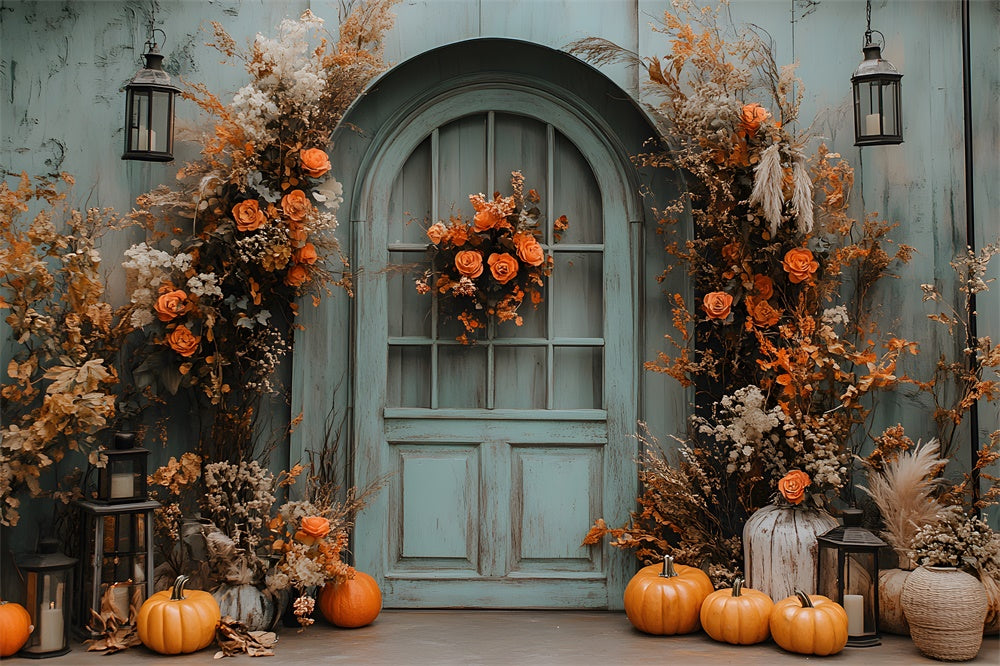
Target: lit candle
122	485
50	629
854	604
873	124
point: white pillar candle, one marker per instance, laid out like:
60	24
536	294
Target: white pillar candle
50	629
120	599
122	485
854	604
873	124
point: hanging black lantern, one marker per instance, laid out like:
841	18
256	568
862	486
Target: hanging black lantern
877	85
848	574
149	110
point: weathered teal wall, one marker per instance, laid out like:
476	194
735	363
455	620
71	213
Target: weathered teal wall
62	65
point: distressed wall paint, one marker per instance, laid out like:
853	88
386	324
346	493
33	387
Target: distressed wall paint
62	65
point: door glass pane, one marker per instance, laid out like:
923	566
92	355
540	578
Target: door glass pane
576	195
520	377
409	312
578	297
578	377
462	168
462	377
410	203
409	378
521	145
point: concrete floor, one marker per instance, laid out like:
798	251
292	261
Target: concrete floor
512	637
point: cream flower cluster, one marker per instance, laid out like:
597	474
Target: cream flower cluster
148	268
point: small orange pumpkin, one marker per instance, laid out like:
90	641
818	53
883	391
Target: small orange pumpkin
666	600
15	627
354	602
809	624
739	615
178	621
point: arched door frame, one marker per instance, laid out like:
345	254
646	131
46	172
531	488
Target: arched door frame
364	161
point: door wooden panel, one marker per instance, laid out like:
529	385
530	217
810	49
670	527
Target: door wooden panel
498	456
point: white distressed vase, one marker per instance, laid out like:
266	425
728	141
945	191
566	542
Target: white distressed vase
780	550
890	603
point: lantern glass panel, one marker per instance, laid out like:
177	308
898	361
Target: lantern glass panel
47	604
160	125
857	576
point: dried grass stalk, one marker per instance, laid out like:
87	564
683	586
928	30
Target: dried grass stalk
767	181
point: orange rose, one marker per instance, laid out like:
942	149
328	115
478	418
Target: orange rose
297	233
295	206
751	117
531	252
314	162
305	254
799	264
315	526
248	215
437	232
469	263
183	341
763	286
762	314
717	304
793	485
503	267
296	276
171	305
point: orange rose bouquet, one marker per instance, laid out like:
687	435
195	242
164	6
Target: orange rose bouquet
483	270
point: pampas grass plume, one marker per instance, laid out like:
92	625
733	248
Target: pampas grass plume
903	492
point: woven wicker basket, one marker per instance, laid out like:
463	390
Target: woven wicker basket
945	609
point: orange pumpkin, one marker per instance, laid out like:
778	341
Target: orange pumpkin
178	621
15	627
355	602
739	615
809	624
666	600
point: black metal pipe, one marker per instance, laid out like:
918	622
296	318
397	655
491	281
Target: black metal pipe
970	241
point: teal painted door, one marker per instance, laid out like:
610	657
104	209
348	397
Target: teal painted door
498	457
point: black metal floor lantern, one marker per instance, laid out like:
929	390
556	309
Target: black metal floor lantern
149	109
877	85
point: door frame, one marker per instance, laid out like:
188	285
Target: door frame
325	393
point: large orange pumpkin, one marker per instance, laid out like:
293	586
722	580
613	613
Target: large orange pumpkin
355	602
178	621
739	615
666	600
15	627
809	624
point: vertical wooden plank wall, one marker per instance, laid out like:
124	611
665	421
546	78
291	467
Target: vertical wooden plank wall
62	65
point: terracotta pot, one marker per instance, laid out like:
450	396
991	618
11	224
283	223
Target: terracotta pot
946	610
890	604
780	549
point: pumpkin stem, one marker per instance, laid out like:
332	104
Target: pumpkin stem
804	598
668	567
737	587
178	592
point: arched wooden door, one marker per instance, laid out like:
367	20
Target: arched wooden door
501	455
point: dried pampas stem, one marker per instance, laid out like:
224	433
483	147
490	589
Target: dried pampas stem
802	195
767	186
903	493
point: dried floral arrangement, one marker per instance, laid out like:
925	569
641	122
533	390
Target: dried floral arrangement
63	383
482	270
784	362
252	222
246	535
